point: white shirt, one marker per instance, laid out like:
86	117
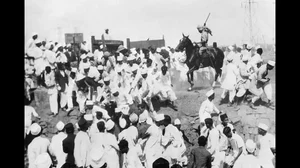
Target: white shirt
104	112
236	142
93	73
61	58
111	148
213	141
165	80
247	161
223	139
207	107
81	148
37	146
28	112
50	56
56	148
265	143
131	159
232	72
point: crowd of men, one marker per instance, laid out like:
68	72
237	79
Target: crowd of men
106	84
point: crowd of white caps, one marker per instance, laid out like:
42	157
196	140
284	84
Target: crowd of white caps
143	138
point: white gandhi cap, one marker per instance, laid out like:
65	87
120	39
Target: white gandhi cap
209	93
263	126
100	67
88	117
86	65
106	79
89	102
109	125
144	71
74	70
142	117
35	129
130	58
159	117
119	58
272	63
250	145
122	122
83	56
177	122
60	126
230	48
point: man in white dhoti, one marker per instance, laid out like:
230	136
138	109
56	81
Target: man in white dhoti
60	56
82	144
266	146
49	55
153	148
213	142
206	109
256	60
39	62
112	148
264	82
165	86
172	142
236	147
29	111
56	147
71	87
38	145
243	82
130	155
52	89
230	80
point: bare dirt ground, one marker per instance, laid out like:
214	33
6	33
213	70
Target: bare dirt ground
244	118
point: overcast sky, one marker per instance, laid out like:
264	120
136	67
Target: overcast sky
142	19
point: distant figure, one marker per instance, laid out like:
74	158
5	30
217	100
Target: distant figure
31	43
106	35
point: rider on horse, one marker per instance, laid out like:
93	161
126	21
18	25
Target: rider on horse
205	31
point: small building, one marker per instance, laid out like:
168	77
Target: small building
112	45
145	44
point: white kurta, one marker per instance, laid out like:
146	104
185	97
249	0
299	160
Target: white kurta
247	161
112	149
231	77
62	58
50	58
131	159
39	62
81	148
28	112
165	86
56	148
213	146
174	149
207	107
153	148
37	146
265	154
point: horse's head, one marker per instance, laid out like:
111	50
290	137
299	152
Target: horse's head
183	43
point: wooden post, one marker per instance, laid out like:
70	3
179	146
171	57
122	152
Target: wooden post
128	43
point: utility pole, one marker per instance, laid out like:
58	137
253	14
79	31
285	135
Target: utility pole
250	22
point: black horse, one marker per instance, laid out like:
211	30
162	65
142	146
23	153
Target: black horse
213	57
